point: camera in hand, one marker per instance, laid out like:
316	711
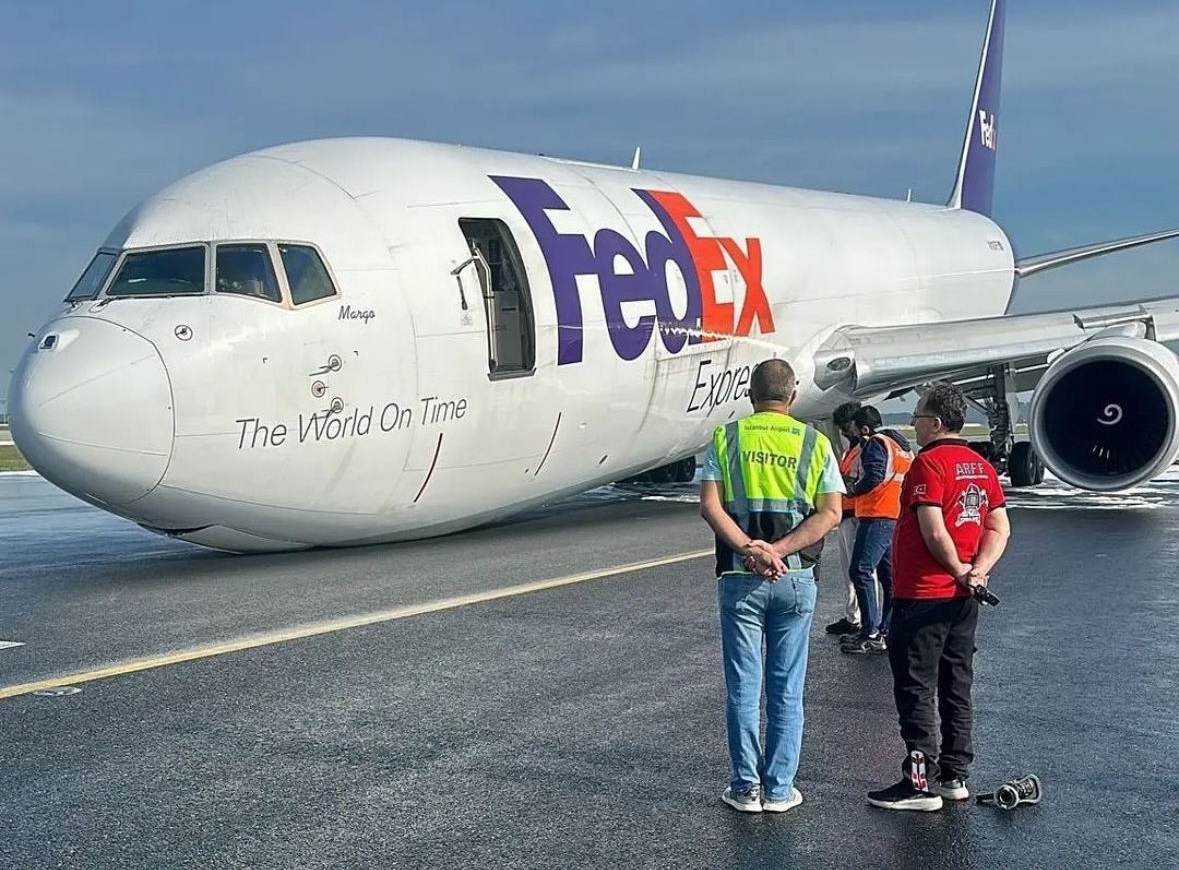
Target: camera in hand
983	595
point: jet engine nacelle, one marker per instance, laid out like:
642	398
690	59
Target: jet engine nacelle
1103	417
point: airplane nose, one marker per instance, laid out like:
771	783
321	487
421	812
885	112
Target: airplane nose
91	410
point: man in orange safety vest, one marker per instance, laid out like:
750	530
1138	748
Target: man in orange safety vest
849	468
885	456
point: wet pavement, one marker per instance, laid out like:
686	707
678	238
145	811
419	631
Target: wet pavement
578	726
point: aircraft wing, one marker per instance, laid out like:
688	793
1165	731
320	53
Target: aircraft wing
866	361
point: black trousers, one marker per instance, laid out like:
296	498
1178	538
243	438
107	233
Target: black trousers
931	650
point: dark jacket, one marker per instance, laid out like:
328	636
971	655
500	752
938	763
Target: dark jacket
874	460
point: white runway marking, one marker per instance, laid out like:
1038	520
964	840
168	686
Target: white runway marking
10	644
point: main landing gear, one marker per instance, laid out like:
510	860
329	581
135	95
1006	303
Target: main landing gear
682	471
995	394
1024	466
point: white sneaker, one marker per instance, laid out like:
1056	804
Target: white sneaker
745	801
782	806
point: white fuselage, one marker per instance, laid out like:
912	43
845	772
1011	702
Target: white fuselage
210	415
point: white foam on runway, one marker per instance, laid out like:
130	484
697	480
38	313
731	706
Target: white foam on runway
1052	494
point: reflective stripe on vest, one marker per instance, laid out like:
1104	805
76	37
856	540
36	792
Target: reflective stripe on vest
884	501
771	464
850	468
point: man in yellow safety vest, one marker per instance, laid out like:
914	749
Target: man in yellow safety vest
771	491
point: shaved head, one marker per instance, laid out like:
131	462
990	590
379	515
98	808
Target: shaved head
772	381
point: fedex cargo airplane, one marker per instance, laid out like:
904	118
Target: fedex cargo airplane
362	340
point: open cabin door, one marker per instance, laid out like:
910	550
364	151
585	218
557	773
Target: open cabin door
511	333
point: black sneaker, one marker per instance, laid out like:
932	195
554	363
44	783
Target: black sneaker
953	789
865	646
843	626
903	796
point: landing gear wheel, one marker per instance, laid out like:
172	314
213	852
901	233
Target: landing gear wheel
1024	466
685	470
662	474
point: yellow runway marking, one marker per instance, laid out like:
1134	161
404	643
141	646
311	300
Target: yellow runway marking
333	625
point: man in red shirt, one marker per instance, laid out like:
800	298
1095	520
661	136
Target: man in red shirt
952	530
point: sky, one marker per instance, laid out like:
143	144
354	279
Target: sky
102	105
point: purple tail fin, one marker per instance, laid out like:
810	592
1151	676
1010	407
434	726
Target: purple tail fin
975	185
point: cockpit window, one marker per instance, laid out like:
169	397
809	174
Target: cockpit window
94	277
247	271
165	272
306	274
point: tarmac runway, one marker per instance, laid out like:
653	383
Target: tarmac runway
576	725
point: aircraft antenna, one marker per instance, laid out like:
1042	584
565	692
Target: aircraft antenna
634	163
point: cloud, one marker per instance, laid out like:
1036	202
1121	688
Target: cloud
1110	45
1139	274
63	151
575	39
853	64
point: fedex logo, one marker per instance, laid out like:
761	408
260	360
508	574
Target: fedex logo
987	130
626	275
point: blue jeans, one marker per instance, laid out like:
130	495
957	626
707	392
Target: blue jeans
873	552
753	610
